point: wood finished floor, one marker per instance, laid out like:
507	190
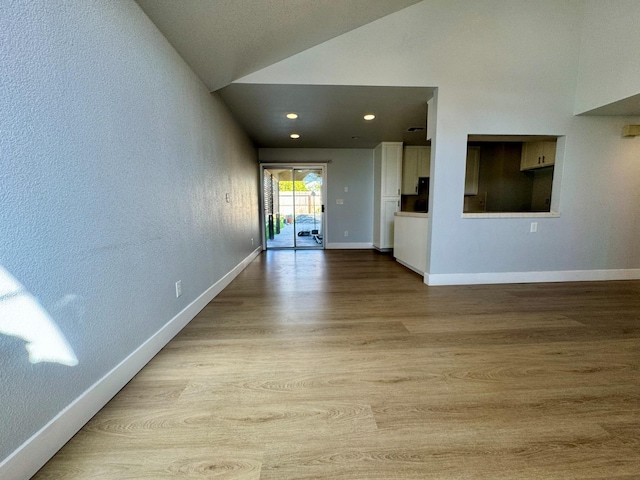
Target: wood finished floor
344	365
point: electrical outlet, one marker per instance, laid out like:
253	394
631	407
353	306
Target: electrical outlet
178	288
346	189
534	227
346	233
339	201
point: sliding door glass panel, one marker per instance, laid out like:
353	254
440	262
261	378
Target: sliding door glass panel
279	233
293	207
307	202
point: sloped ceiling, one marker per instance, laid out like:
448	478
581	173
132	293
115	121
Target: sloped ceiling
629	106
223	40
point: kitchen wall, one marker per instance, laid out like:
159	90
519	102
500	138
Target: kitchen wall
500	68
115	165
507	188
350	168
541	190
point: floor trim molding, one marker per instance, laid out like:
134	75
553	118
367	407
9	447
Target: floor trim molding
27	459
531	277
349	246
414	269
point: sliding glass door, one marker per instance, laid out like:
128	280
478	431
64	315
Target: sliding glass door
293	201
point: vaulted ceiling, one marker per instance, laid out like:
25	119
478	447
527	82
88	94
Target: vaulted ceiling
224	40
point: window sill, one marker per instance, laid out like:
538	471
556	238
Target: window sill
512	215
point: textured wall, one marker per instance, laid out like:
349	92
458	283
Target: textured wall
352	168
115	162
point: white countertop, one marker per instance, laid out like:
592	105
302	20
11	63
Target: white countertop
512	215
412	214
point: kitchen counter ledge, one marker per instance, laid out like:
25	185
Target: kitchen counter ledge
412	214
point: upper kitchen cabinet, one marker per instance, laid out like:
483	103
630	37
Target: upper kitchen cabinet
537	155
416	163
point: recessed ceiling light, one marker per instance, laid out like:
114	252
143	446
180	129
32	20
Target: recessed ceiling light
369	116
295	135
292	116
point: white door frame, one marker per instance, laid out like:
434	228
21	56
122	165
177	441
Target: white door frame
320	165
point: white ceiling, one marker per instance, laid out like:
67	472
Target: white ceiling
330	116
629	106
224	40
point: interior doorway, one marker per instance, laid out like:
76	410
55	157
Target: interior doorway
293	206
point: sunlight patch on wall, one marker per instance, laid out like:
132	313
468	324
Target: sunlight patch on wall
22	316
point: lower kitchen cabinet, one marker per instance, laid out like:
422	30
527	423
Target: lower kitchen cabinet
410	242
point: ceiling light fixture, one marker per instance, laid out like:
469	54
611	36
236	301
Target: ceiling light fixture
295	135
292	116
369	116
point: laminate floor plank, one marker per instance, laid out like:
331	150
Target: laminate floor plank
485	322
567	450
344	365
308	330
190	462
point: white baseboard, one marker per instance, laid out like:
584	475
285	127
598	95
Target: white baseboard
531	277
419	272
349	246
27	459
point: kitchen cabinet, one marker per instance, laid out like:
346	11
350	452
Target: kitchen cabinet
389	208
387	178
472	171
537	155
424	161
416	163
410	240
391	168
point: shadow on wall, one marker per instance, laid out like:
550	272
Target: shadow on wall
22	316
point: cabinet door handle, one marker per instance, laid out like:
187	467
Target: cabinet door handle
542	158
398	191
538	160
416	188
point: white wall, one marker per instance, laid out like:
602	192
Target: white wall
501	67
115	161
609	56
352	168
